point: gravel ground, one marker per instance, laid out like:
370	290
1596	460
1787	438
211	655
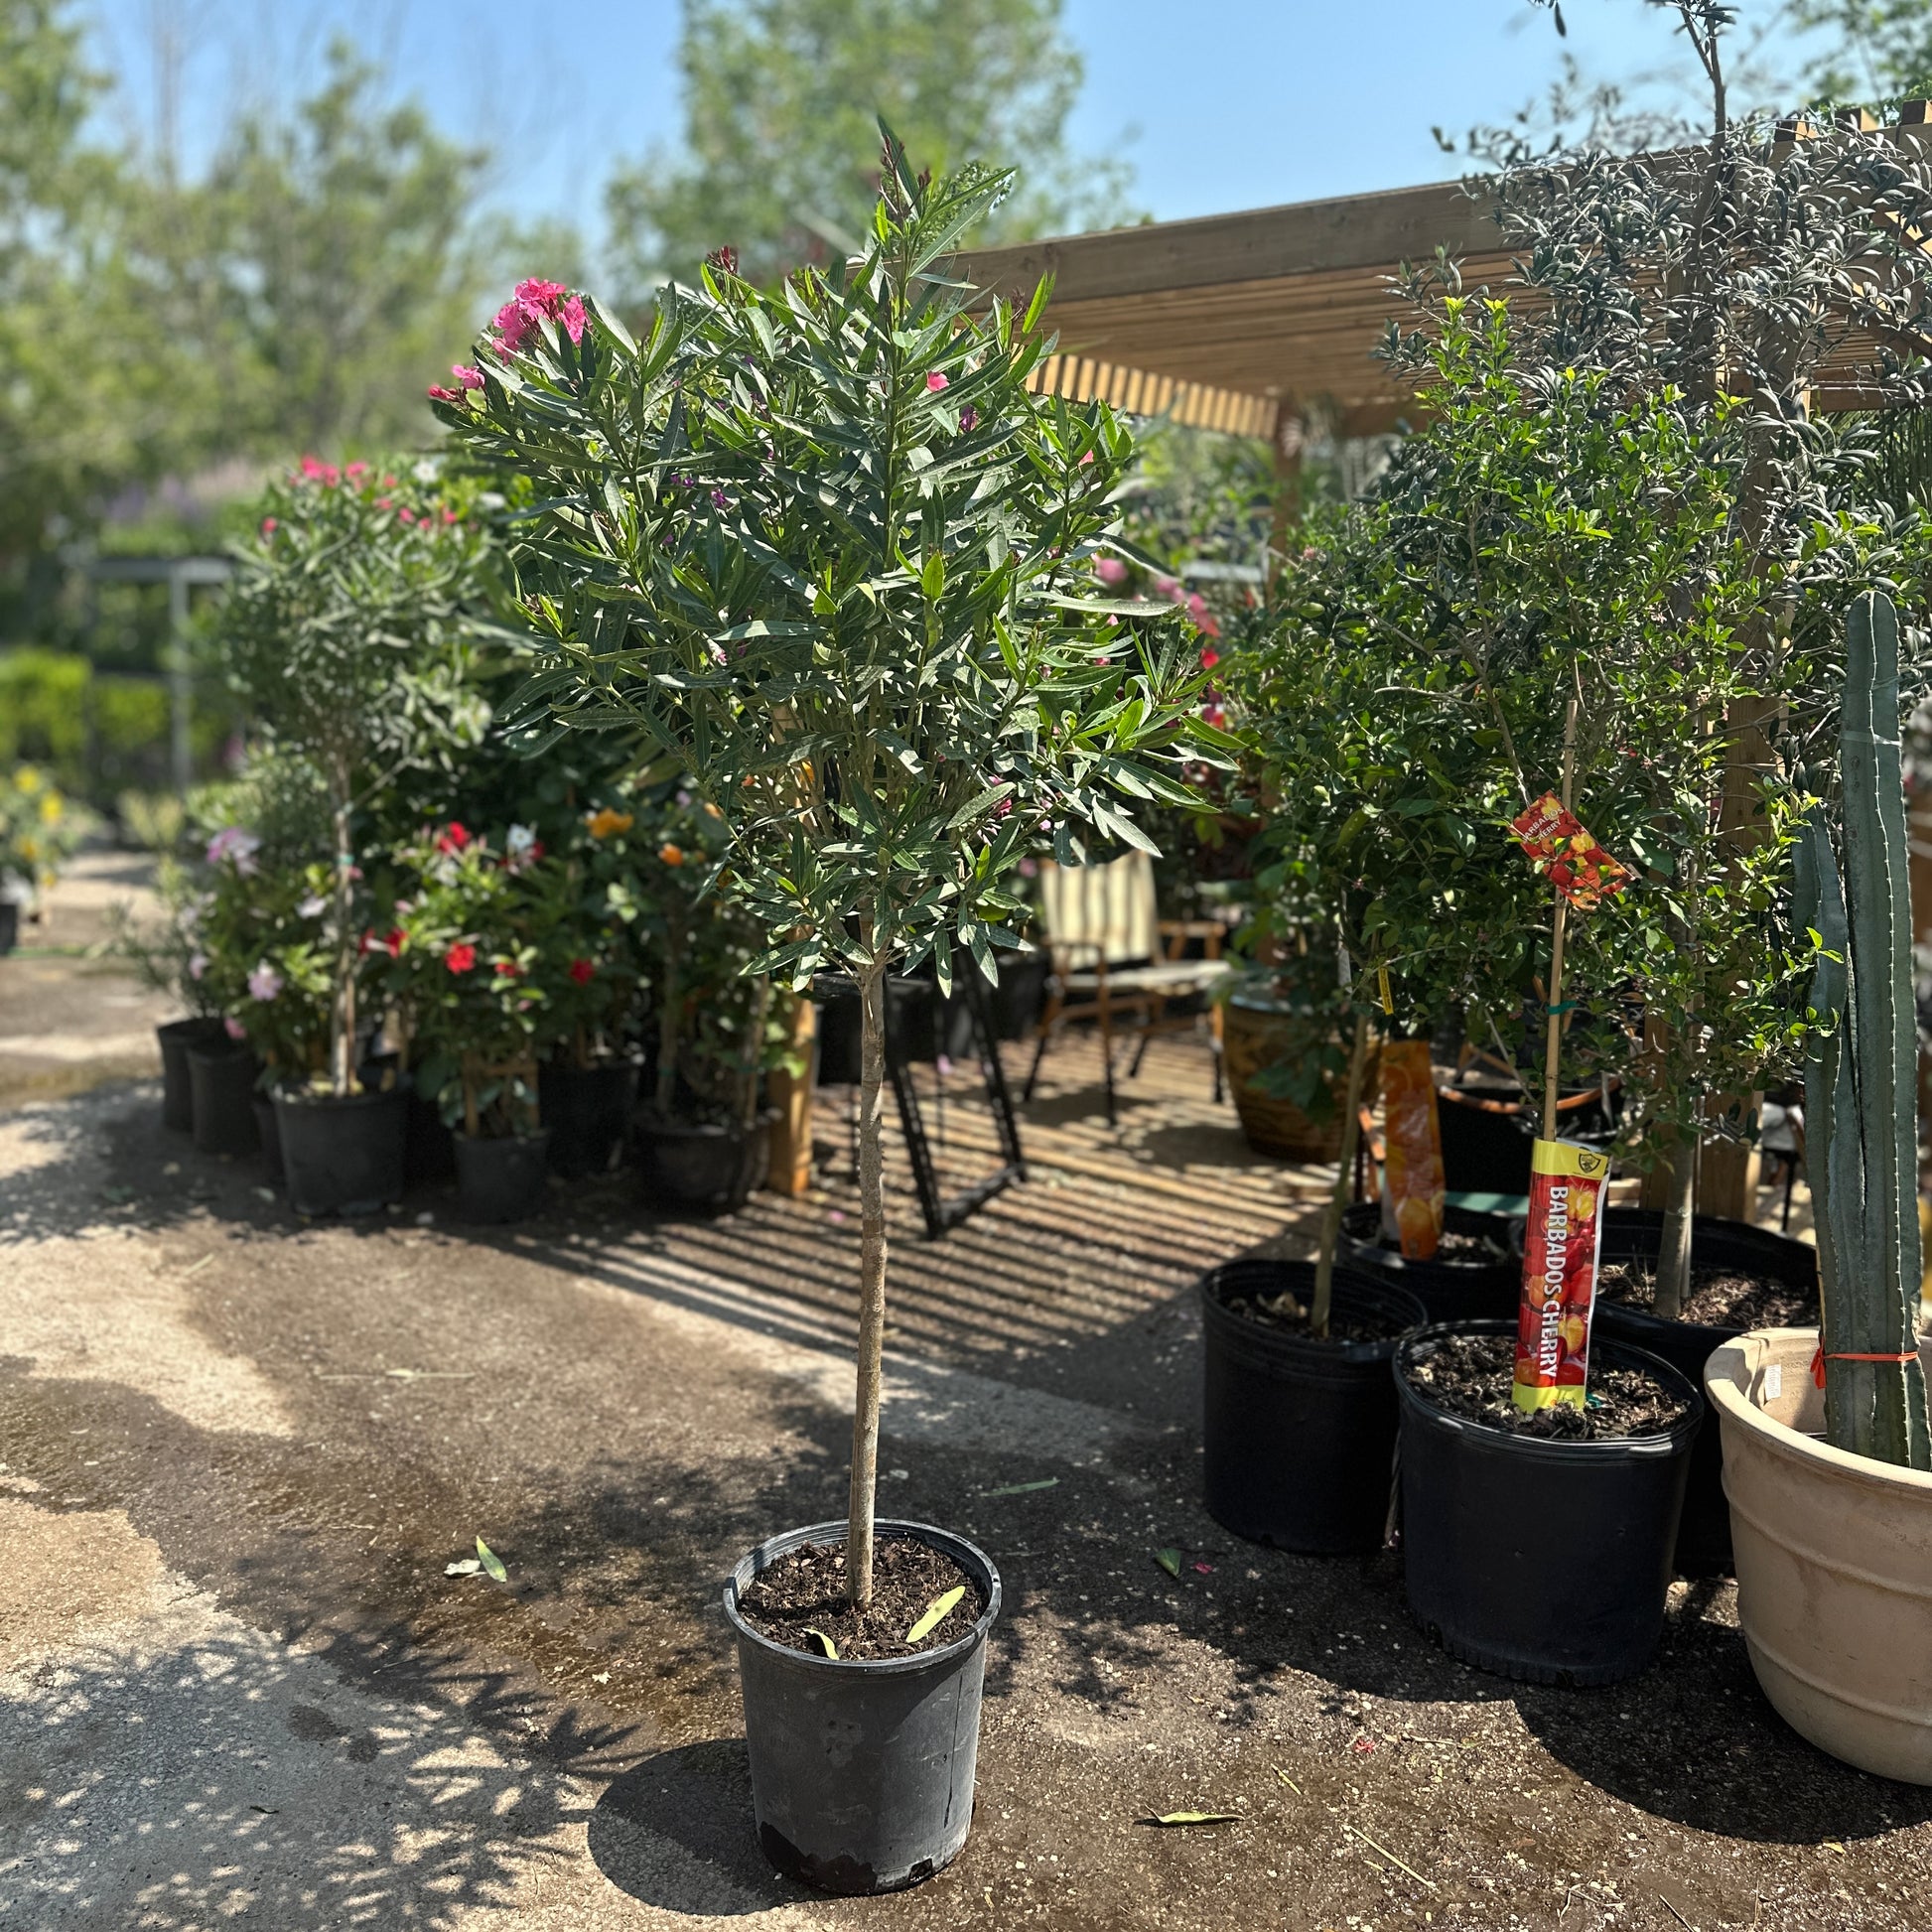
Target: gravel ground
236	1453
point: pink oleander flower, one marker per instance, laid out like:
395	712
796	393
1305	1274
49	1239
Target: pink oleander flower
1169	589
449	515
1110	570
234	1029
542	298
237	848
512	321
437	393
356	471
468	378
406	514
265	983
936	382
269	526
573	318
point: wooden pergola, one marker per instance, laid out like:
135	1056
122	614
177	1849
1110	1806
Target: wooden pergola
1248	322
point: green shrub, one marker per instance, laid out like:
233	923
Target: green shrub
44	712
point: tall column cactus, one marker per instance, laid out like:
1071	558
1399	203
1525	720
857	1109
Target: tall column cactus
1861	1069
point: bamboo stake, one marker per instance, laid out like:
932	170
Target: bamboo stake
1552	1037
871	1284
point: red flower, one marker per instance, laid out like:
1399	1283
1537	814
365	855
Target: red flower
455	839
394	942
460	958
582	971
438	393
269	526
1209	658
506	969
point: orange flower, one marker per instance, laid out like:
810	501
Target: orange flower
672	855
607	822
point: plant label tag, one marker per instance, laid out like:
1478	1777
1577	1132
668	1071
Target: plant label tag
1770	1385
1413	1140
1557	845
1560	1250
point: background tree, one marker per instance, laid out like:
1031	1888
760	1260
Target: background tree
781	103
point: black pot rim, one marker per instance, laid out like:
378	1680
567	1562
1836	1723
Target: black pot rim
650	1121
301	1097
1394	1258
947	1542
192	1026
1678	1436
218	1046
1354	1288
541	1135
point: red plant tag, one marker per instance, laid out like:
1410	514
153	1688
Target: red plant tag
1560	1246
1413	1167
1556	842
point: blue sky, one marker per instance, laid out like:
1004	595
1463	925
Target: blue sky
1230	103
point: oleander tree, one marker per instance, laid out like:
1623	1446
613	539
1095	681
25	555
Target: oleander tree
348	627
825	547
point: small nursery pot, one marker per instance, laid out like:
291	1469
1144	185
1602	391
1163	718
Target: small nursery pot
1450	1291
1297	1434
1547	1562
862	1770
501	1179
1637	1234
222	1076
177	1096
9	925
711	1166
587	1110
342	1156
428	1148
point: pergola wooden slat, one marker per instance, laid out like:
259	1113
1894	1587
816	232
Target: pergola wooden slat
1232	321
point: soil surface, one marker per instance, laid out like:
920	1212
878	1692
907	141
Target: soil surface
1288	1311
1471	1375
1725	1297
803	1592
246	1680
1455	1250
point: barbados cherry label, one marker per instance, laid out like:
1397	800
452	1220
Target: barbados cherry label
1559	1247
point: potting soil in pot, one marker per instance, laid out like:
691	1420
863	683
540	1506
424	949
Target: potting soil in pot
805	1591
1456	1250
1723	1297
1286	1310
1471	1375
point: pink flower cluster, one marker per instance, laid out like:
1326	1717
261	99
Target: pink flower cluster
315	471
534	302
466	377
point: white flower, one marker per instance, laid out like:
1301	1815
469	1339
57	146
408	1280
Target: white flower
427	471
311	907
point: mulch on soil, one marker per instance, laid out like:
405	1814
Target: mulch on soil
1725	1297
1470	1376
805	1591
1287	1311
1456	1250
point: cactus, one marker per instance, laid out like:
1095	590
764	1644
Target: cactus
1861	1069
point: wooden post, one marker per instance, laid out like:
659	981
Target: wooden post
1290	441
792	1095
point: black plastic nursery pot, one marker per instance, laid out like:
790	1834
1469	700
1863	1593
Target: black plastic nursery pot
587	1110
712	1167
9	925
1487	1132
1637	1234
1547	1562
429	1147
267	1135
222	1076
1299	1435
177	1095
1450	1291
342	1156
499	1180
862	1770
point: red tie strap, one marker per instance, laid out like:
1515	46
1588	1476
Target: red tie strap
1820	1358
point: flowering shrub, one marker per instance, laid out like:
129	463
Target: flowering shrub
348	629
463	957
38	831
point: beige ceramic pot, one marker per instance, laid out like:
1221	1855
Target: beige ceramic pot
1833	1562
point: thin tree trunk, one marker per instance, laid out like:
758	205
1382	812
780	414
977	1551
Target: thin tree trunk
871	1280
1351	1129
747	1092
668	1028
1674	1248
344	1056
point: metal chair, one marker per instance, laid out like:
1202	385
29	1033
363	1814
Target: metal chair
1114	958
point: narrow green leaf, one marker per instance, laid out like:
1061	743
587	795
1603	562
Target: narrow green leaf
936	1613
493	1563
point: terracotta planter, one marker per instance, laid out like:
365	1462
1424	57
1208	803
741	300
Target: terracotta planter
1833	1562
1255	1037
